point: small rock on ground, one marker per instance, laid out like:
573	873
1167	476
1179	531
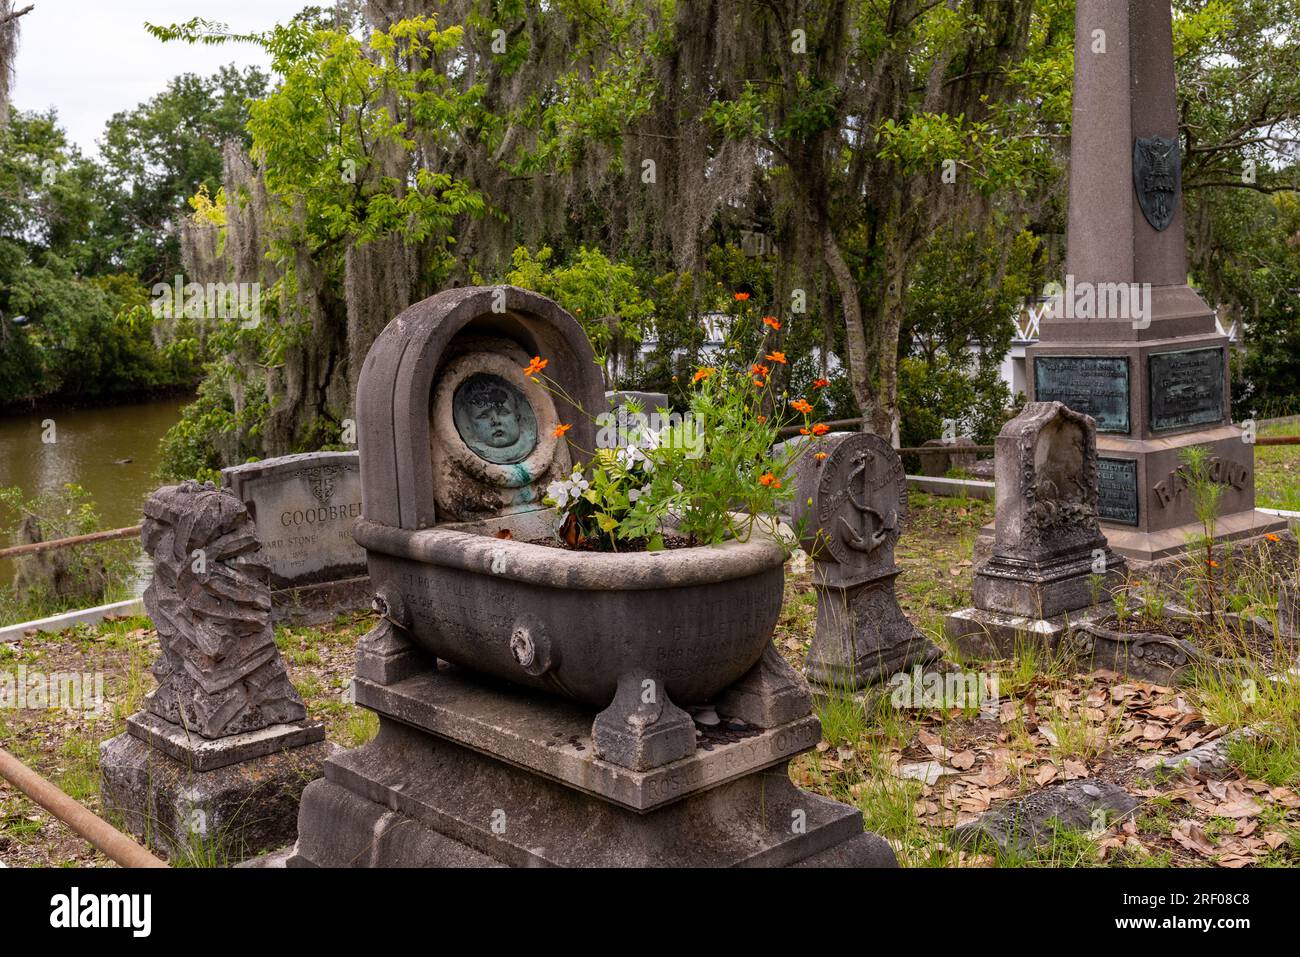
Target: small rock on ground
1023	823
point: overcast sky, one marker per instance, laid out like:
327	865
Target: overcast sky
91	58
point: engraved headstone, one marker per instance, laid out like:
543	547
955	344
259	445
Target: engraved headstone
1129	342
944	455
1050	559
303	507
224	741
851	507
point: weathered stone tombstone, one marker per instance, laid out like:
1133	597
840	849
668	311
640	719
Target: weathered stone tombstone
851	509
648	401
531	699
303	507
223	746
947	454
1050	564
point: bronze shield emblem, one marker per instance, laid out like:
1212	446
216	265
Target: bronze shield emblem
1157	175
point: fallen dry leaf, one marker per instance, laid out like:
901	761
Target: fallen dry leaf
1188	834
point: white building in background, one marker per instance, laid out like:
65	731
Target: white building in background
715	325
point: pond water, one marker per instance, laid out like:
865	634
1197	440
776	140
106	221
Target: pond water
89	448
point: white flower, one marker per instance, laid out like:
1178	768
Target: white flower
636	493
564	490
558	492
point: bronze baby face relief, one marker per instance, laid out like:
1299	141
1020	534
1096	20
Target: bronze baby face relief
494	419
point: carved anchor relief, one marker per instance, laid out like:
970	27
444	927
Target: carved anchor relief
866	540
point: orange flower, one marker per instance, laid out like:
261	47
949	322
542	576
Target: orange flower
1272	538
560	430
760	370
760	383
1212	563
769	479
819	456
702	374
821	383
771	321
821	428
742	297
536	365
762	419
775	357
804	432
799	405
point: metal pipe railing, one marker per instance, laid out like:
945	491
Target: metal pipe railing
32	548
118	847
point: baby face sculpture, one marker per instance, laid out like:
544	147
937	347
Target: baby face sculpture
494	419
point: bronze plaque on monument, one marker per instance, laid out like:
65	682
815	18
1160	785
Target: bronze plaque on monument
1117	490
1186	388
1095	385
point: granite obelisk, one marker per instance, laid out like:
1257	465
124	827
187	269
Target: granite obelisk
1129	342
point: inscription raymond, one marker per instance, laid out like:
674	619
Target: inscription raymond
1222	471
1186	388
1095	385
1117	491
304	507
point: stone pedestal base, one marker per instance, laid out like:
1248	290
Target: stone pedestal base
1045	590
223	815
466	772
1142	549
862	636
991	634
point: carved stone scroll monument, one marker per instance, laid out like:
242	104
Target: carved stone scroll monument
532	699
1050	563
1130	343
852	507
223	746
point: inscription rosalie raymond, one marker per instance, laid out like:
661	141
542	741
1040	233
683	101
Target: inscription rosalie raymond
1186	388
1095	385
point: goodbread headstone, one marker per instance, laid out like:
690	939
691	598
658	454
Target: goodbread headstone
303	507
